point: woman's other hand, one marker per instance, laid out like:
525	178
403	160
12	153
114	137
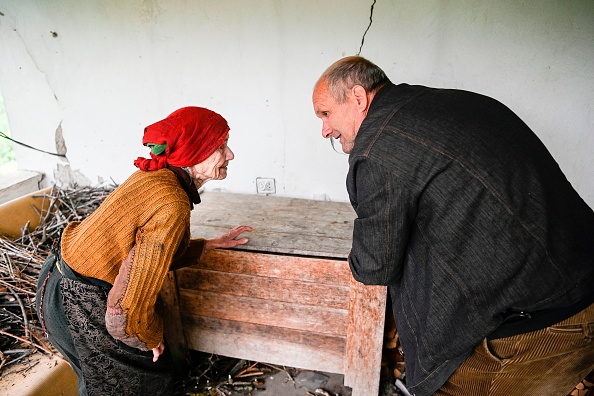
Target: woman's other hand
158	351
228	240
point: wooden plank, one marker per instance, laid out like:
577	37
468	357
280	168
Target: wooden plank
323	271
283	225
16	213
364	338
276	242
15	185
169	309
264	312
337	343
272	289
281	346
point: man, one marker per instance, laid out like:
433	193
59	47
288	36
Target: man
486	249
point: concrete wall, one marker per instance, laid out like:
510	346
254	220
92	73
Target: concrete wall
91	74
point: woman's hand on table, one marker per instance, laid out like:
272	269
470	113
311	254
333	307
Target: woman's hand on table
228	239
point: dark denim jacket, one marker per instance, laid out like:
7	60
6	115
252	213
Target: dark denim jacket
464	215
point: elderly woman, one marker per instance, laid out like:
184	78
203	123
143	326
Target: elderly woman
98	289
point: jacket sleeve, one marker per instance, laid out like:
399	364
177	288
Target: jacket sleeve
381	229
131	316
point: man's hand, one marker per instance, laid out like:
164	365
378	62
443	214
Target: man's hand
228	240
158	351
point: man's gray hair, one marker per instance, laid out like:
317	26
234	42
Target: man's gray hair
347	72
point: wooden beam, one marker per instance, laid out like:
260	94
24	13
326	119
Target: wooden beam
265	312
265	288
269	344
307	269
365	338
169	309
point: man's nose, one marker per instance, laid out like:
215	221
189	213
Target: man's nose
326	130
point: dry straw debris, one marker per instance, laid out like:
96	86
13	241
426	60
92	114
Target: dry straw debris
20	262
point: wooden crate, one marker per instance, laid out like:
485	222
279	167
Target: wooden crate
287	298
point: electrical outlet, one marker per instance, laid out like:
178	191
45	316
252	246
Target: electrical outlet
265	185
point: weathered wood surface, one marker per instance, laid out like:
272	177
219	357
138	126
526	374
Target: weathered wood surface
256	287
290	267
265	312
281	225
365	336
275	345
288	296
267	307
174	333
283	292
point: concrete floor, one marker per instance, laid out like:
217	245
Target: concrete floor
210	371
279	384
277	381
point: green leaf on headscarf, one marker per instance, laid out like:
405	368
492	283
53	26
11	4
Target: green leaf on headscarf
157	149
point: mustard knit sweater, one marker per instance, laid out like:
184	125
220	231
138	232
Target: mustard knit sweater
150	212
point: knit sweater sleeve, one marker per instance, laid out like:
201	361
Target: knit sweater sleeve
131	303
156	245
132	300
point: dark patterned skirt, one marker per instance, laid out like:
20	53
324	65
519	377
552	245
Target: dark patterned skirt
72	310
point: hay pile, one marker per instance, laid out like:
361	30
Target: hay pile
21	334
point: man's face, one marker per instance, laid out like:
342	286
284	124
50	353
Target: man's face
339	120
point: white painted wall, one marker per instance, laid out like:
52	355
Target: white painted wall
113	67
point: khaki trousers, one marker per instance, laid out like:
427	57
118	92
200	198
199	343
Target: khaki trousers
547	362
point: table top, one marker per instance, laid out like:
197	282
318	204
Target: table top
280	224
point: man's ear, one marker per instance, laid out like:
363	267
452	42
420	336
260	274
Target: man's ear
360	96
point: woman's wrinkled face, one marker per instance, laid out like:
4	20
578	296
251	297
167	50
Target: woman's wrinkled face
214	167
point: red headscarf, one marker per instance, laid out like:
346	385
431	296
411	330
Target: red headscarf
191	134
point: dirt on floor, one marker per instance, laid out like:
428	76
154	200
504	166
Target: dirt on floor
214	375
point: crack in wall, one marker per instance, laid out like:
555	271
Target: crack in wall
368	26
35	62
63	172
